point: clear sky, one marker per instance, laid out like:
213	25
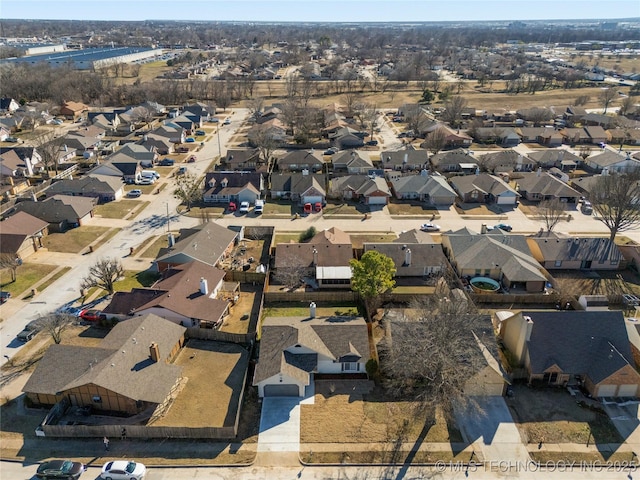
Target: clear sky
319	10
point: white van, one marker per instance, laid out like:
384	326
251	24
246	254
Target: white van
259	207
150	174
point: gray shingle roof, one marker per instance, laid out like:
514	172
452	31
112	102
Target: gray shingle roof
205	243
598	250
332	337
591	343
120	363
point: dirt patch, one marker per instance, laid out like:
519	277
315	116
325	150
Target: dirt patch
611	283
551	415
247	255
240	314
215	373
344	412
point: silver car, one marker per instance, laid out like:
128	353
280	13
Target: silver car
123	470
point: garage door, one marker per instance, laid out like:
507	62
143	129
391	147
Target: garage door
281	390
377	200
312	199
607	391
627	390
505	200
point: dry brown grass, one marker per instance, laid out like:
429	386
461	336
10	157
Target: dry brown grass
239	319
344	414
215	372
577	282
553	416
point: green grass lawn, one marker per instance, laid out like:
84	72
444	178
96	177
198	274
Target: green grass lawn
302	310
77	239
286	237
200	211
27	275
278	208
118	209
135	279
344	209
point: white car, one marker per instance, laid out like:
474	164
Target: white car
430	227
244	207
123	470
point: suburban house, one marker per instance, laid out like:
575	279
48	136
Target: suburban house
559	158
559	252
407	159
503	257
294	351
485	375
21	234
174	133
503	136
20	162
370	191
128	373
484	188
344	139
430	189
574	114
597	134
624	136
611	162
414	236
505	161
601	119
453	138
299	187
574	348
352	162
8	105
61	212
538	186
156	143
459	160
322	262
415	261
73	110
246	160
103	187
300	160
575	136
208	243
542	135
192	295
272	130
225	187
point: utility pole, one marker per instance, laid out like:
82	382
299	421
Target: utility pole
168	219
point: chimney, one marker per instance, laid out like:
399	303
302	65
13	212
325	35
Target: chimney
483	228
407	257
171	240
477	171
539	172
204	286
154	352
312	310
405	159
315	256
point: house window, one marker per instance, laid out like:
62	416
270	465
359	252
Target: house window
350	367
558	263
96	399
614	262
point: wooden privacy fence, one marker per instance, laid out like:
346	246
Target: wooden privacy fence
209	334
140	431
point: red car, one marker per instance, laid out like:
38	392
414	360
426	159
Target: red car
92	315
191	159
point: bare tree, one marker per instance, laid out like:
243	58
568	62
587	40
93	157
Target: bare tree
615	200
435	141
11	262
265	143
607	96
142	114
430	354
55	325
454	107
188	189
551	212
49	147
255	106
103	274
416	119
290	275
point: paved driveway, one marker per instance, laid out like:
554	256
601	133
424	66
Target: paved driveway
490	427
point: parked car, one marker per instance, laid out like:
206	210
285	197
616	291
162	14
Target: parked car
135	193
214	119
259	208
372	143
586	207
200	133
244	207
191	159
167	162
232	207
430	227
123	470
331	151
181	171
92	315
190	140
29	331
67	469
630	300
4	296
317	207
69	310
227	121
11	140
182	149
501	226
146	181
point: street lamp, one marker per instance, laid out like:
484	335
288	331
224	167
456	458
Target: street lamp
219	149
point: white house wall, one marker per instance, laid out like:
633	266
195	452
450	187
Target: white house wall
281	379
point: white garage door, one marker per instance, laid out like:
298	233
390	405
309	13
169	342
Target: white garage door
627	390
607	391
502	200
377	200
281	390
312	199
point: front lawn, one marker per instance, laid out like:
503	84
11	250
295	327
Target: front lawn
77	239
118	209
27	275
412	209
135	279
160	242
